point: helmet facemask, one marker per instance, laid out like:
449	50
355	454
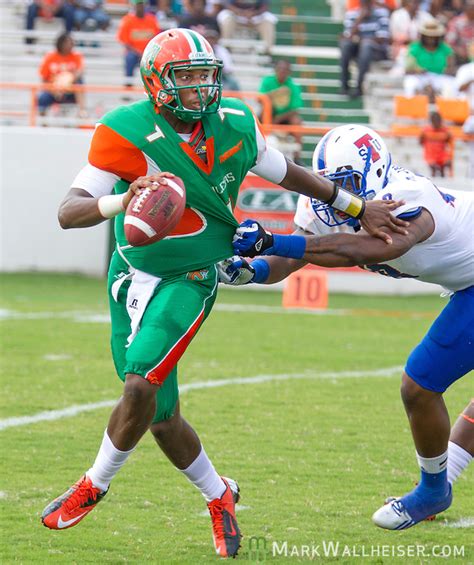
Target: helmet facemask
209	93
351	180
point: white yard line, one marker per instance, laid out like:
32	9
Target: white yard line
462	523
104	318
80	408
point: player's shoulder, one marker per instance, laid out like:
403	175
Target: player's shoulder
237	104
235	114
119	114
404	185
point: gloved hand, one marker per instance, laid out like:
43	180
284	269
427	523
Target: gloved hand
251	239
235	271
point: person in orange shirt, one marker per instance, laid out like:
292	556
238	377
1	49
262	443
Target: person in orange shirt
61	69
436	142
389	4
135	31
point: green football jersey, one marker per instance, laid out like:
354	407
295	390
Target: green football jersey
204	235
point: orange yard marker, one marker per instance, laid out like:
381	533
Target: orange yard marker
306	288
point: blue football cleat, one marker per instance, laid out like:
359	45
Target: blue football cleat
405	512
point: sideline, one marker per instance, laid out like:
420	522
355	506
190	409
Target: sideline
200	385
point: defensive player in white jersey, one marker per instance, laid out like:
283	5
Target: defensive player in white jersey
438	248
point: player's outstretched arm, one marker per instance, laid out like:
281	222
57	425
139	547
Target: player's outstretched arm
79	209
335	250
237	271
281	267
375	216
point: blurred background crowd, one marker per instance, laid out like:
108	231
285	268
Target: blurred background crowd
404	66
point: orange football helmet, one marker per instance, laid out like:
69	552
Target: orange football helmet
181	49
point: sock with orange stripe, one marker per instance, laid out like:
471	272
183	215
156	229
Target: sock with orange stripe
458	460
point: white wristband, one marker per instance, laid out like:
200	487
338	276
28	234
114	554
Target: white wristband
111	205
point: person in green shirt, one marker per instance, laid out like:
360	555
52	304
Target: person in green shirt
429	63
161	294
285	96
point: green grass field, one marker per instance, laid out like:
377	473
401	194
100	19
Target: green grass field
315	452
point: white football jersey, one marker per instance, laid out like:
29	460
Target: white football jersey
446	257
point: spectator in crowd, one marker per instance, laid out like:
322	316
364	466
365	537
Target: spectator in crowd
49	9
180	8
460	33
285	96
436	141
429	62
444	10
229	82
167	8
90	15
197	18
249	13
365	38
465	79
404	25
60	70
356	4
135	30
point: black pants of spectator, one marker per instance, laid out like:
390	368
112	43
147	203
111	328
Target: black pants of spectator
66	12
364	51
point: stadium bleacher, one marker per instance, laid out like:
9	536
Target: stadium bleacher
307	36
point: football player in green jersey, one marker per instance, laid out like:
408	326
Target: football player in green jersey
161	294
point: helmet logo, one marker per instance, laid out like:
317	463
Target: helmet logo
366	143
199	56
149	57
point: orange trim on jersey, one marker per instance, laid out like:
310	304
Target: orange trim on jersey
197	129
111	152
205	167
230	152
157	376
189	224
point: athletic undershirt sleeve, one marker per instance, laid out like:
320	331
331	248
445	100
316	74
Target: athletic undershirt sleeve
271	163
273	166
95	181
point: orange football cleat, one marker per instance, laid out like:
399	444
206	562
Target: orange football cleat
70	508
225	529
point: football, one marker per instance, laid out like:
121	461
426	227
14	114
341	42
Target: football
153	214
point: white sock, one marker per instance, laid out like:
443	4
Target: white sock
202	474
433	465
458	460
107	464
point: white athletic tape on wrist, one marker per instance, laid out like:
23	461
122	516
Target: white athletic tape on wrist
111	205
348	203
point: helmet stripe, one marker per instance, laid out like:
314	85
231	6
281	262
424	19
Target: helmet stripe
191	42
197	41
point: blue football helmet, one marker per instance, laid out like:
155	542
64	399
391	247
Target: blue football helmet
356	158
